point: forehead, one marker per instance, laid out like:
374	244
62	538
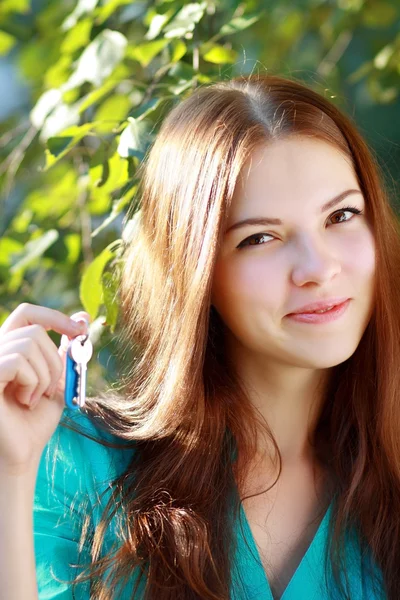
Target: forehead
292	170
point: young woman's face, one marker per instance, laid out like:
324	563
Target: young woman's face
266	271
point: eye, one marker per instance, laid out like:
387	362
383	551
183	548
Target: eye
351	209
258	237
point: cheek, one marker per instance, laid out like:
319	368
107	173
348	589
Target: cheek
243	282
358	255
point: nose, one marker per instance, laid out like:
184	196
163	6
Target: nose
314	262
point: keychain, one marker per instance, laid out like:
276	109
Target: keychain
79	352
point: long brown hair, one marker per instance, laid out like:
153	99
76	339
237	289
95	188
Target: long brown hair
182	407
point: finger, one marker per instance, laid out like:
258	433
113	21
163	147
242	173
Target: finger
49	318
32	352
33	341
83	318
19	379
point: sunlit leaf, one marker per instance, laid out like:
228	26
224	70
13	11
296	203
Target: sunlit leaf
104	12
111	112
117	207
96	95
73	244
110	298
239	24
156	24
186	19
134	139
55	200
77	37
14	6
382	58
83	7
117	175
43	107
219	55
179	49
91	288
8	247
99	59
22	220
58	146
7	42
144	53
57	74
34	249
61	118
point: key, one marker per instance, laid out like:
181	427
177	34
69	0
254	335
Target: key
79	352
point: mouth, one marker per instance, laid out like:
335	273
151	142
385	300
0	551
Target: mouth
323	315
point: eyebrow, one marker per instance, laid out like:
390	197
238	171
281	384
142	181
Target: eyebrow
272	221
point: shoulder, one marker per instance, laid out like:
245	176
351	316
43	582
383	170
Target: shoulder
77	460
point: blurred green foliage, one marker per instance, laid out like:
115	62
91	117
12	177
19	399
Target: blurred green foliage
101	75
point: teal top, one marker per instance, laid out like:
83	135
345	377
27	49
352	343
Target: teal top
73	472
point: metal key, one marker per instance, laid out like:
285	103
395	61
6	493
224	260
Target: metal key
79	352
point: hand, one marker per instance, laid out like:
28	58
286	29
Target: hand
32	381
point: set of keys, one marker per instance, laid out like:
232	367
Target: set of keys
79	352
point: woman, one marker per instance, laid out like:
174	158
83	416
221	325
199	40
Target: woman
252	450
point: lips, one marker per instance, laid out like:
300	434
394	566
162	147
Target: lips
319	305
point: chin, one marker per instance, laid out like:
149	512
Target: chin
325	360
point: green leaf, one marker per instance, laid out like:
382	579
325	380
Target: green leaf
240	23
182	71
111	113
99	59
53	201
220	55
117	174
14	6
58	73
110	296
22	220
103	13
179	50
58	146
184	22
77	37
62	117
157	23
8	247
380	14
144	53
34	249
73	244
44	106
91	288
382	58
96	95
134	139
83	7
7	42
117	207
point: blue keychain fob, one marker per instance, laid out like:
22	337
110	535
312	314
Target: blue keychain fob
79	353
